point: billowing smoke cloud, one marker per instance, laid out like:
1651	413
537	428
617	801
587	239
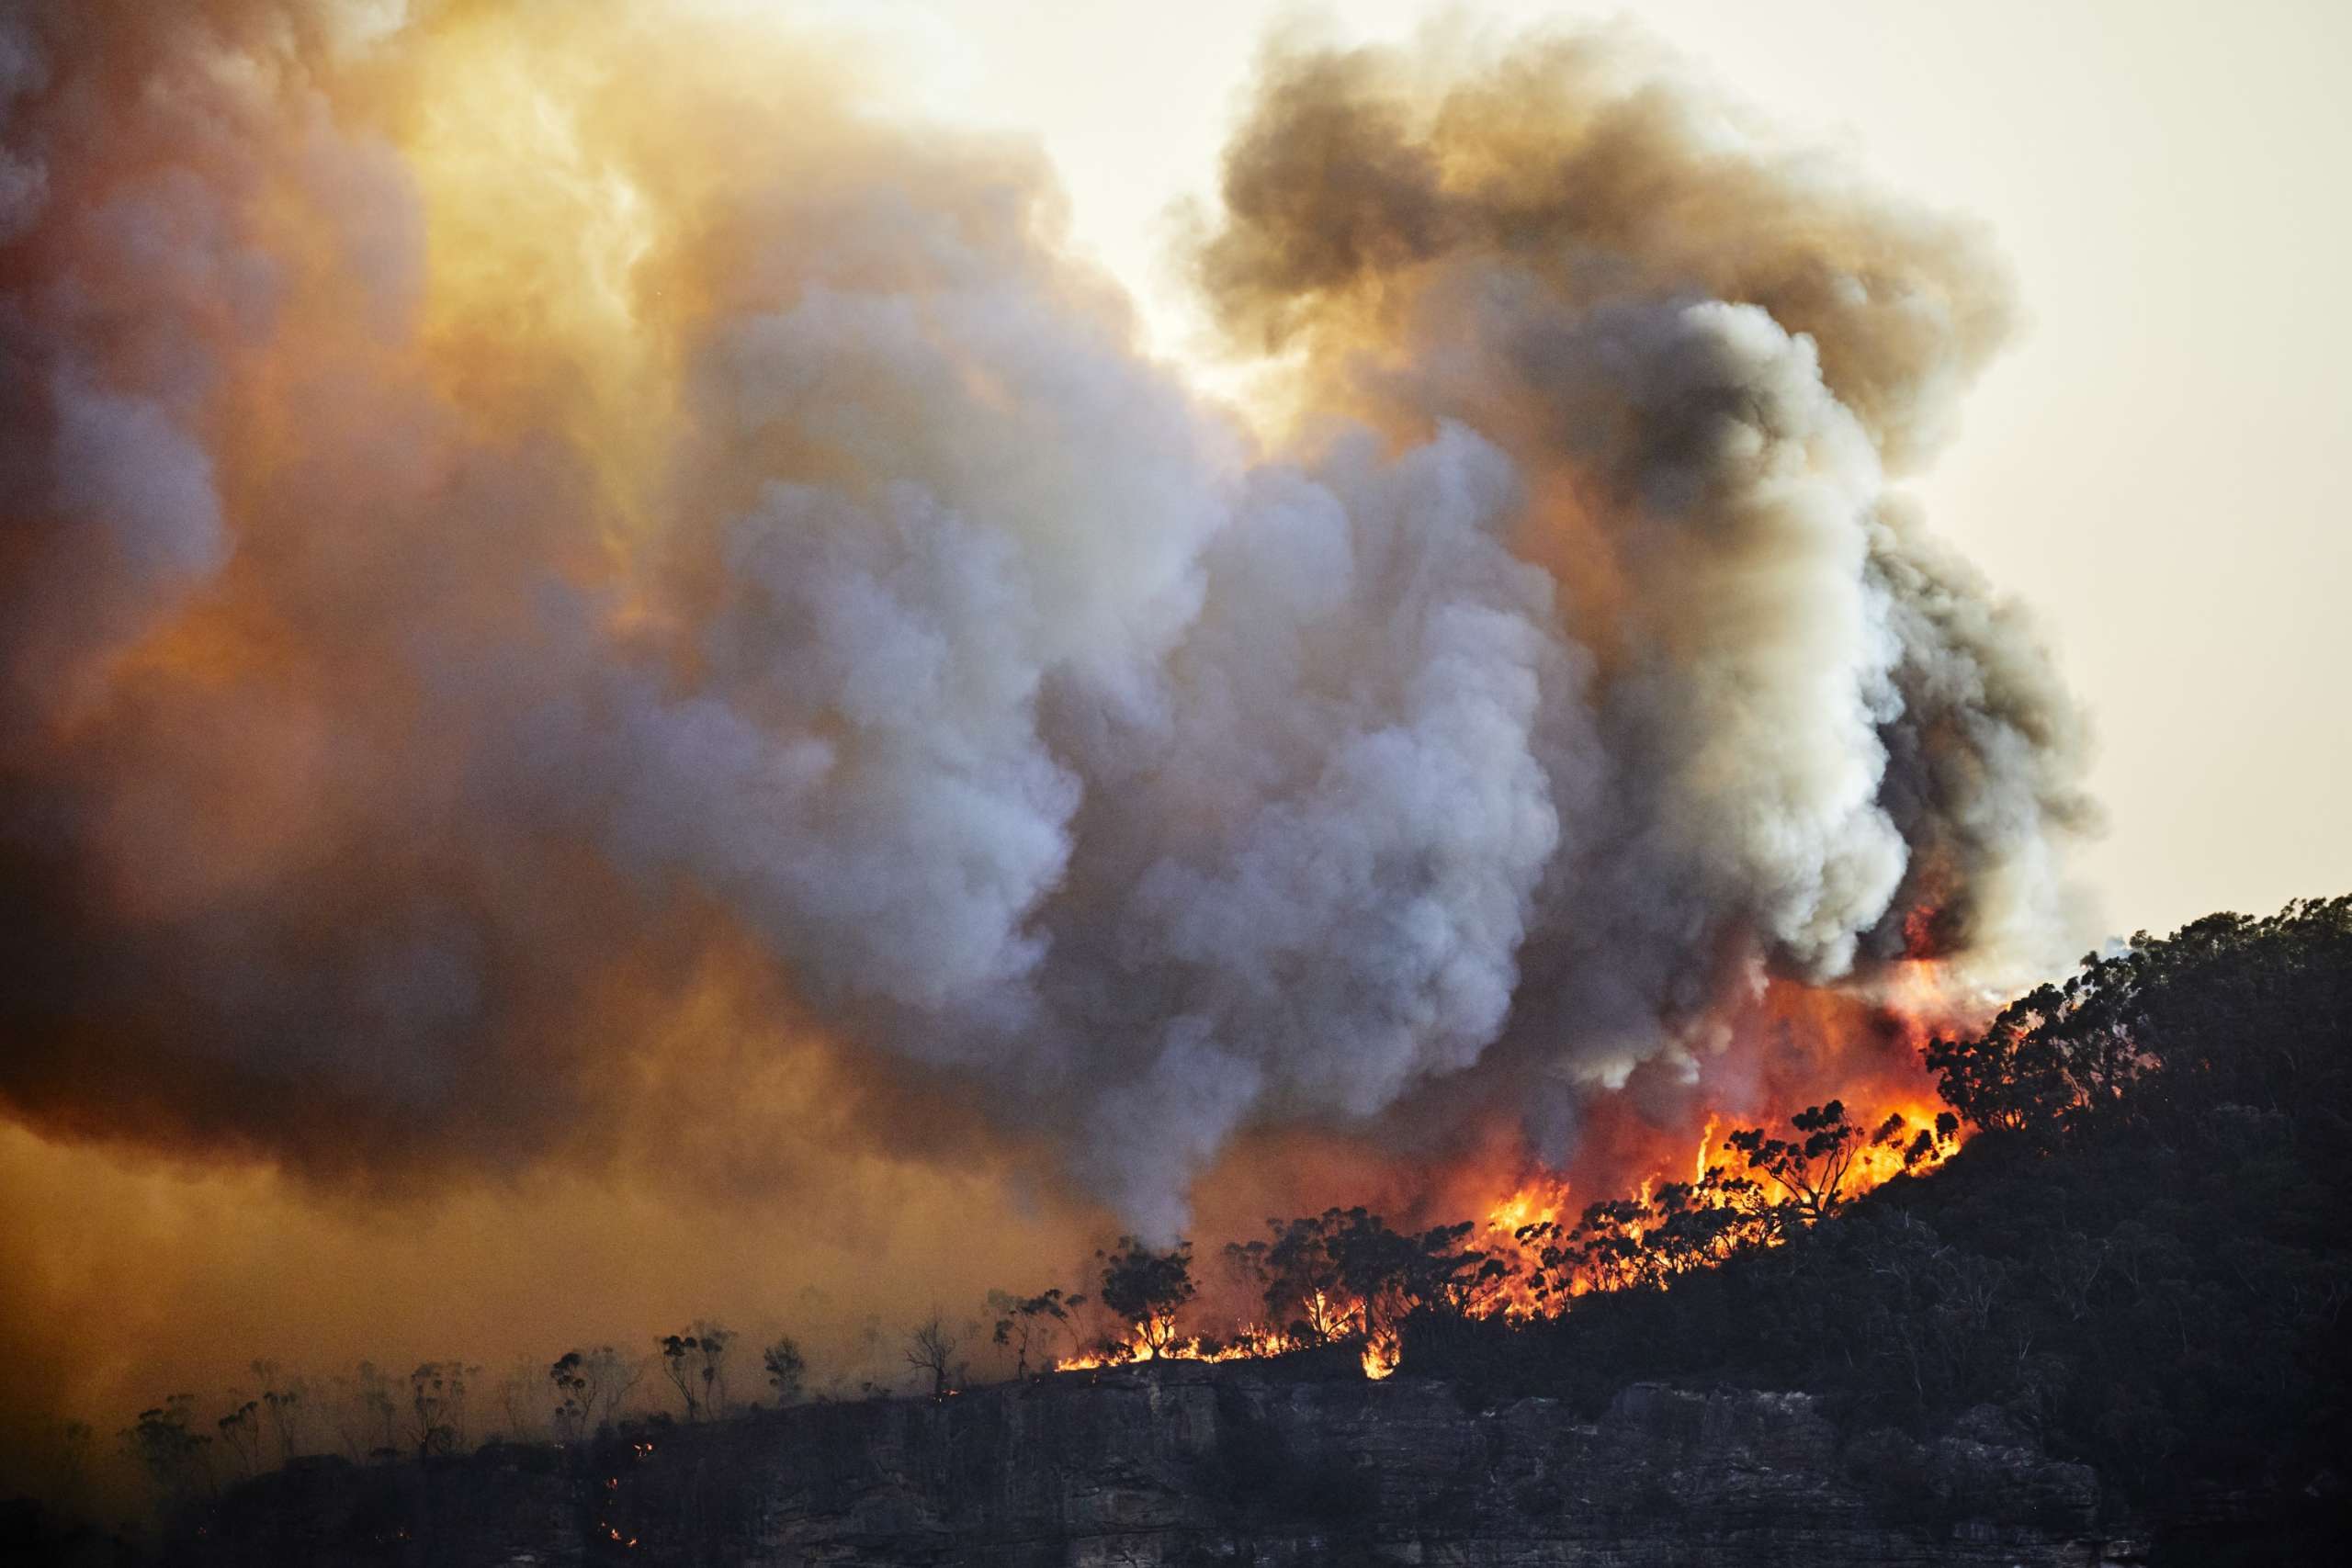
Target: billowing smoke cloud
510	514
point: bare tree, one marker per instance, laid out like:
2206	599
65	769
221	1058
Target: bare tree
284	1403
522	1399
784	1367
438	1406
365	1414
931	1348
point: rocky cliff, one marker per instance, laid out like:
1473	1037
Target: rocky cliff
1189	1464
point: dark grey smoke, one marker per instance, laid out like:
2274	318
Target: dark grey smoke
405	708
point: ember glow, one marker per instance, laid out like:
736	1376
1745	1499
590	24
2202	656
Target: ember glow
585	604
1537	1271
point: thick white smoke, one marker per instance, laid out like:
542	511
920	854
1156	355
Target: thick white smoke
419	651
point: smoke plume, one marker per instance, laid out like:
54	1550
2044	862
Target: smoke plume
531	532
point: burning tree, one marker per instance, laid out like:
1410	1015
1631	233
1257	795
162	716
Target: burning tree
1147	1289
1646	1241
1346	1273
1811	1169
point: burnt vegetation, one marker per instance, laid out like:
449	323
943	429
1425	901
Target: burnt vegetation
2138	1259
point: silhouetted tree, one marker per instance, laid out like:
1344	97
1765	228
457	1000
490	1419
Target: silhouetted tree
241	1434
366	1413
167	1448
696	1364
283	1404
522	1399
590	1386
785	1368
931	1348
1147	1289
1026	1325
1295	1272
438	1407
1810	1169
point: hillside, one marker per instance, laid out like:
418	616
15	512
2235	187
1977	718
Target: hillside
2143	1259
1184	1463
2109	1328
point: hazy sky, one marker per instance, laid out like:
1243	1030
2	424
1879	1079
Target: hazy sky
2154	466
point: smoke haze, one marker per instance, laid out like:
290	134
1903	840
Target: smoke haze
602	637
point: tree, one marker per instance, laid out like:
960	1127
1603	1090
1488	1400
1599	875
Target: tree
590	1386
1345	1273
696	1364
785	1368
931	1348
283	1404
366	1413
1026	1325
2010	1079
576	1395
1392	1274
1147	1289
241	1434
1811	1169
2227	1010
1298	1276
169	1450
438	1407
522	1399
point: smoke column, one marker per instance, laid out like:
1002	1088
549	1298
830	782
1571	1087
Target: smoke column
529	533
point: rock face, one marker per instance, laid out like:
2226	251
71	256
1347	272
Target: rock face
1187	1464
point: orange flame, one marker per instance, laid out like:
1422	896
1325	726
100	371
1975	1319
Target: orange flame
1797	1046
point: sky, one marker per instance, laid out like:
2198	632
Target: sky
2154	465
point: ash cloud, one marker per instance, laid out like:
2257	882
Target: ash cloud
435	640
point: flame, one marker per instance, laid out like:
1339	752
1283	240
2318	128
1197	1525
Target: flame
1699	1158
1799	1047
1249	1342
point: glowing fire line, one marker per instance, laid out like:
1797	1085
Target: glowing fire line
1511	1227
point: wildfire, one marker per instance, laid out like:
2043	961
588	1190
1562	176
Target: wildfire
1141	1344
1830	1102
1513	1228
1698	1157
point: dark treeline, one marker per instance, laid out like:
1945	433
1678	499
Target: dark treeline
2141	1260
